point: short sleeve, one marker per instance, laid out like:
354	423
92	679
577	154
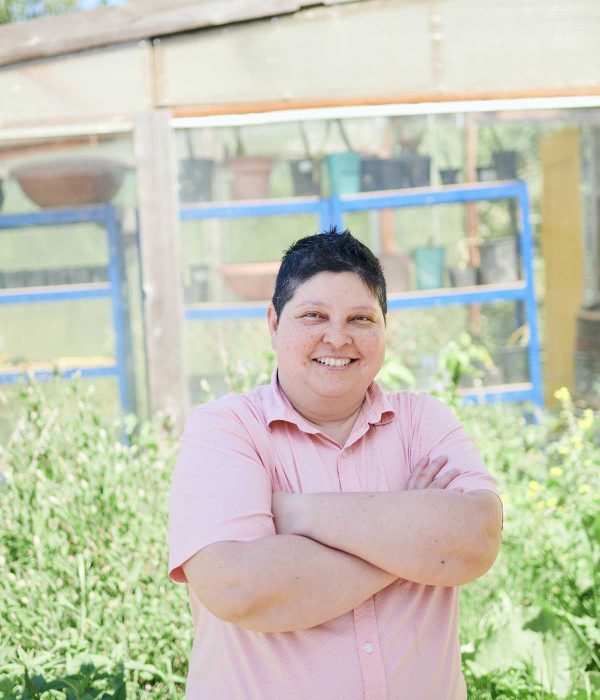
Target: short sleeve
436	432
220	489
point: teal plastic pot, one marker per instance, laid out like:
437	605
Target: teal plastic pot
429	266
344	172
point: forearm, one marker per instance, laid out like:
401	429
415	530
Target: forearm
293	583
433	537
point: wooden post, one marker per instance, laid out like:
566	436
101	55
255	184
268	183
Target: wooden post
160	243
562	247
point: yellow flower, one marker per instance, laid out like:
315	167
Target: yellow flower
563	450
533	485
538	506
551	502
556	471
562	394
587	420
576	441
584	488
530	494
504	497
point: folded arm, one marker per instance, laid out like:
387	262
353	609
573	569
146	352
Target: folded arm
281	583
433	536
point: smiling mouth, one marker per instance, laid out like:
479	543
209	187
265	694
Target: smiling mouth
335	361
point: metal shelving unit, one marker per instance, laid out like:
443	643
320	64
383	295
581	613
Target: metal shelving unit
233	210
332	210
104	215
522	290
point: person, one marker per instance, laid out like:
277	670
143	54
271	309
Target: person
324	527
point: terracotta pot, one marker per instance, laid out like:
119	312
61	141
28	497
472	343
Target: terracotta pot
251	281
396	268
250	176
70	181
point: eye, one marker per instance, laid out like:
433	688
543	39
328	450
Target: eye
311	314
362	318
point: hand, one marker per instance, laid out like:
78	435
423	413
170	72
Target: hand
286	509
428	474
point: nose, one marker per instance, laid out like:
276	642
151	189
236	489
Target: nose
336	335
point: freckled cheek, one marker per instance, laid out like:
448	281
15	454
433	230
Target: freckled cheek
294	345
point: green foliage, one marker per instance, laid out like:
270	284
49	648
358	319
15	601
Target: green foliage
88	610
83	523
87	683
458	359
539	607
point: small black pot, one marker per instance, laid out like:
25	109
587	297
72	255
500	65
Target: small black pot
195	180
306	177
505	164
449	176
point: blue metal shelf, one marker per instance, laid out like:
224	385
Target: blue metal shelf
259	208
105	216
332	210
30	295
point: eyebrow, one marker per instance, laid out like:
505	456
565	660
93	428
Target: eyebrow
322	303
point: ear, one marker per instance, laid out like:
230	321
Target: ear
273	325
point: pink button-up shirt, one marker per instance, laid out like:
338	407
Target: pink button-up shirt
400	644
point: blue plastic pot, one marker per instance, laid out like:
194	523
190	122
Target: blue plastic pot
344	172
429	265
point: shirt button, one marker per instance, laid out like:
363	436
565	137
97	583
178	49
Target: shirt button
368	647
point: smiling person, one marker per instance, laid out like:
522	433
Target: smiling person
324	527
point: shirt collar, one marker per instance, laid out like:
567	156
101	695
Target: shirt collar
377	408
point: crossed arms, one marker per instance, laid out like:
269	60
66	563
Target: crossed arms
332	551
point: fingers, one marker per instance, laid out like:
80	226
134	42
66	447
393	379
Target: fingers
426	472
441	481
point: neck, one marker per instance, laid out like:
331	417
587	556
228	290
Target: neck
333	420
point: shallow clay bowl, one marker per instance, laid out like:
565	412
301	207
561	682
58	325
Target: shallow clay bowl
70	181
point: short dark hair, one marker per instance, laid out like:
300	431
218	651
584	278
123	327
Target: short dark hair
329	251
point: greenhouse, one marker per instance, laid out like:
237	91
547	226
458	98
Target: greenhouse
145	205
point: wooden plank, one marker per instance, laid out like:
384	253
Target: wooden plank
55	35
562	248
160	243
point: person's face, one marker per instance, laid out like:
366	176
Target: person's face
329	340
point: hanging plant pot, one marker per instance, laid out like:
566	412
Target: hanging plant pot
62	182
429	266
499	260
372	174
419	169
195	180
306	177
385	174
250	176
505	164
344	172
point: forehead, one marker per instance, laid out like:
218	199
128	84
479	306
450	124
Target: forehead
334	288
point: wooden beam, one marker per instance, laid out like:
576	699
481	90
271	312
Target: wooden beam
77	31
160	244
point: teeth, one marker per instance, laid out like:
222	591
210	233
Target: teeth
334	362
